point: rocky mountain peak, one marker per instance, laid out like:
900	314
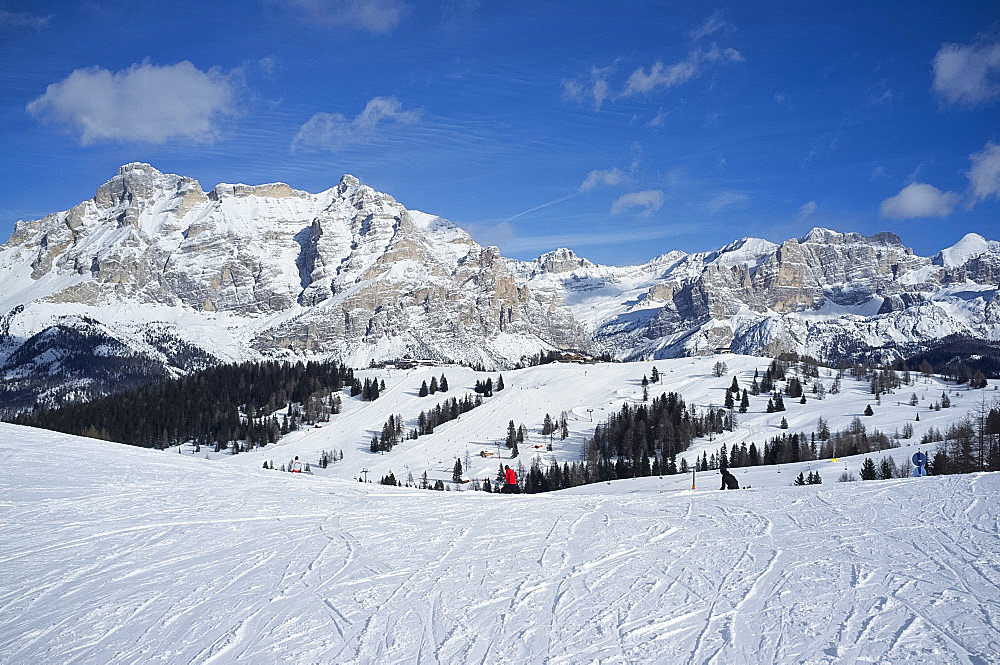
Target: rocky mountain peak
134	183
818	234
562	260
971	246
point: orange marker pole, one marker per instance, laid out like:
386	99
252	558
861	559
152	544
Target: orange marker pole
692	479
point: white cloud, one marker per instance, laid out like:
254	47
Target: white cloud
267	66
877	172
24	20
376	16
806	210
333	131
984	175
650	200
597	90
613	176
712	25
572	90
967	73
919	200
144	103
723	200
667	76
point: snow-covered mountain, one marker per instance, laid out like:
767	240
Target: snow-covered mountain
155	270
830	295
154	277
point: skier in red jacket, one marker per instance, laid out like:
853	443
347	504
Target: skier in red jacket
510	482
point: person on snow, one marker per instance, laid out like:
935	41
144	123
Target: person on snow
510	481
296	465
729	481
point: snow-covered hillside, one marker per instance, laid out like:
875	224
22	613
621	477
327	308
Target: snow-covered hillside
589	393
114	554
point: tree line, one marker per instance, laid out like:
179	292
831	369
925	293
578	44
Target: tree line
221	406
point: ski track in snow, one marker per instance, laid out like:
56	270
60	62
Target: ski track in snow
113	554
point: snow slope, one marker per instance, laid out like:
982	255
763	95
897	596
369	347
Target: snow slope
589	394
113	554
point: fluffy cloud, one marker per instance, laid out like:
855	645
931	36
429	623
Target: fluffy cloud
376	16
807	210
612	177
667	76
967	73
596	91
333	131
984	175
919	200
144	103
649	200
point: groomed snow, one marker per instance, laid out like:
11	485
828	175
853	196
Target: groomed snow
114	554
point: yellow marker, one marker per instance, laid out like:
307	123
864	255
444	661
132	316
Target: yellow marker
834	459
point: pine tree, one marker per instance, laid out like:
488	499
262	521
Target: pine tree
745	402
784	424
443	384
499	384
456	474
887	469
511	435
868	410
423	389
729	400
800	479
868	471
434	385
735	388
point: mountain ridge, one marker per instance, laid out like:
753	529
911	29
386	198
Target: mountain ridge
270	271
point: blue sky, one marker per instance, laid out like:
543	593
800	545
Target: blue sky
621	130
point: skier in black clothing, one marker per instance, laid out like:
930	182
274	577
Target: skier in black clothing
729	481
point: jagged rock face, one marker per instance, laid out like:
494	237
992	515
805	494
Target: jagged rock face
832	295
348	272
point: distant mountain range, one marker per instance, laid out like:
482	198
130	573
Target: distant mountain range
155	277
